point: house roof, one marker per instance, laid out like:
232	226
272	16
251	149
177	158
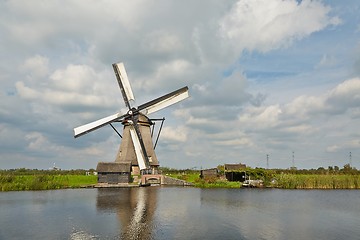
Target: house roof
113	167
233	167
210	170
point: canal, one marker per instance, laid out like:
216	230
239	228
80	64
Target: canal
180	213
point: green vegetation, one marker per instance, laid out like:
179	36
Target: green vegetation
25	171
194	177
23	179
216	183
321	178
312	181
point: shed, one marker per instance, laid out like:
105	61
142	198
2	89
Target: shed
209	173
114	172
235	172
234	167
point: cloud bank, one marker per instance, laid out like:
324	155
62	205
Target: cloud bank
265	77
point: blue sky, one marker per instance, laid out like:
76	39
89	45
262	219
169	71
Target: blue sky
265	77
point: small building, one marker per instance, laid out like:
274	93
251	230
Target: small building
235	172
234	167
209	173
114	172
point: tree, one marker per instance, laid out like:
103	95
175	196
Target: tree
347	168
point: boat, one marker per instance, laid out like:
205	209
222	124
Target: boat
253	183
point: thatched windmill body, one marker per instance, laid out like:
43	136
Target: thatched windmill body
127	151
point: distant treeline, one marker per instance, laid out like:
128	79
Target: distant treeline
347	169
167	170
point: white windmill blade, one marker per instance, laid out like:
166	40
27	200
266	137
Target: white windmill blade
138	151
164	101
84	129
124	83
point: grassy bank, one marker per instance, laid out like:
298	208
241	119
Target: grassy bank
279	180
302	181
208	183
13	182
25	179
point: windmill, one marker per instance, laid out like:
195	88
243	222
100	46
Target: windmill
136	146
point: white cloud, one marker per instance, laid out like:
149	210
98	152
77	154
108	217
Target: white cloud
200	88
303	106
26	92
53	19
36	67
346	95
353	144
300	129
64	55
74	87
306	120
235	142
61	98
162	42
36	141
340	99
333	148
75	78
261	117
197	121
264	25
176	134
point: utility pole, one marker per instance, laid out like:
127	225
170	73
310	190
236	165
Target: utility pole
293	159
350	160
267	161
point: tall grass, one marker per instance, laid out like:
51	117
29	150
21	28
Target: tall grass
201	183
314	181
212	182
44	182
283	180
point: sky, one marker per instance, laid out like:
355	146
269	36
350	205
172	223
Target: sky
276	78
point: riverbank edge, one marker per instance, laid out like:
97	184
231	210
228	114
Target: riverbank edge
281	181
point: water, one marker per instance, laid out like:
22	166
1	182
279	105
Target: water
180	213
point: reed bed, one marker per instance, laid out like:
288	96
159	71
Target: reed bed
305	181
216	184
44	182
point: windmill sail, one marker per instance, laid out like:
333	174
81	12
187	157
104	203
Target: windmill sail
138	148
124	83
164	101
84	129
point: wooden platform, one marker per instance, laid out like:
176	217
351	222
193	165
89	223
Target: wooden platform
146	180
118	185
